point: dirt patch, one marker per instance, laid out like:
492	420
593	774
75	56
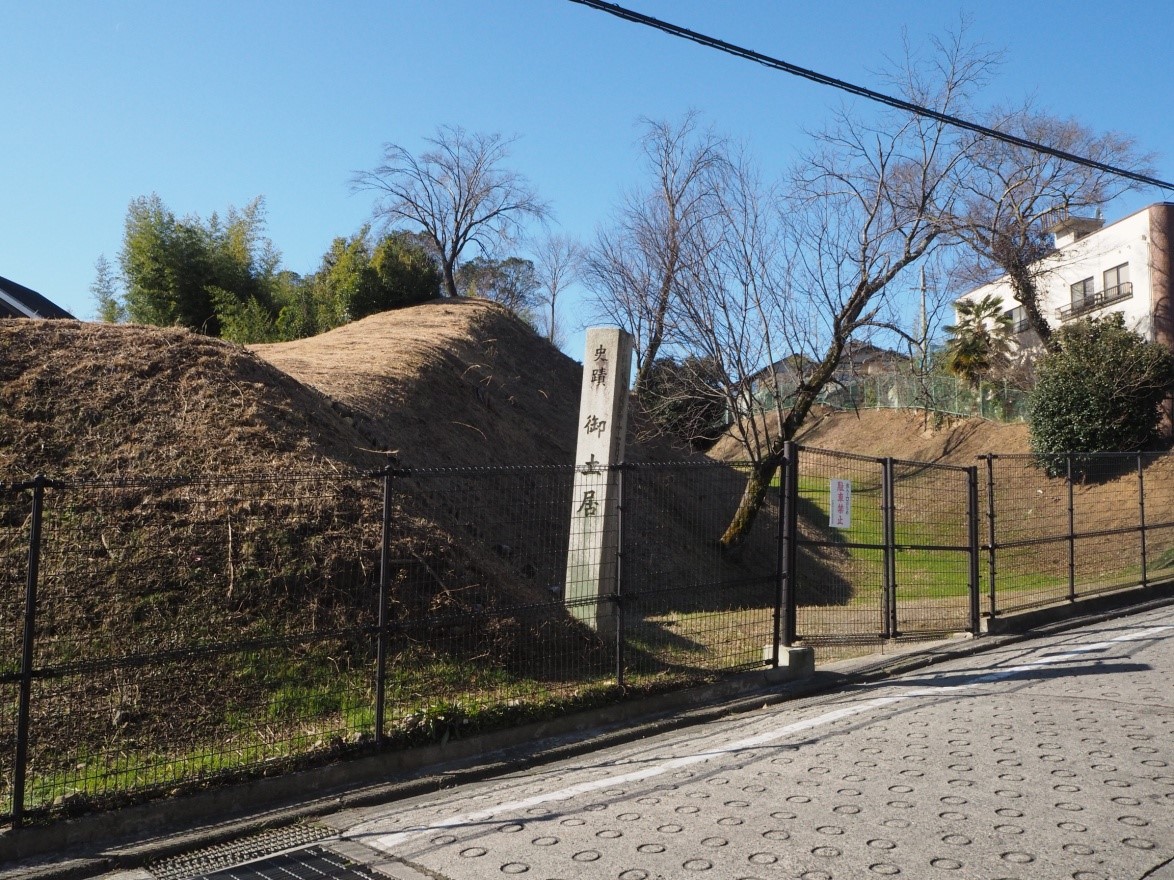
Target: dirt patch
913	435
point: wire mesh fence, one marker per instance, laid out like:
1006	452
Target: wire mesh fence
687	604
1106	546
14	550
1026	518
935	521
184	630
160	635
1157	514
841	578
481	623
1100	523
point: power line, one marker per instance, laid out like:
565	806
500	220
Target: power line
861	91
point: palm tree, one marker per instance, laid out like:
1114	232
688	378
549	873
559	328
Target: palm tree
980	343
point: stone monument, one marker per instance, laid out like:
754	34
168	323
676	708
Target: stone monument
595	517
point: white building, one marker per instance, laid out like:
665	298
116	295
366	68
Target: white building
1096	269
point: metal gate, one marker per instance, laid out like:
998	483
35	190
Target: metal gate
884	548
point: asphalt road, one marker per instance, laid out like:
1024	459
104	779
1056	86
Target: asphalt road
1048	758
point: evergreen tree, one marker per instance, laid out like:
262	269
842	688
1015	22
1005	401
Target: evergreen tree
110	308
1098	390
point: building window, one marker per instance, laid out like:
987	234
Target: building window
1084	299
1081	293
1117	284
1018	316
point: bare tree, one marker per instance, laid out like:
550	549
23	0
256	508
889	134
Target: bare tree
634	267
558	261
1013	196
456	192
863	209
733	308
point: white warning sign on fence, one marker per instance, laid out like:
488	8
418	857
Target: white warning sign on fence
840	510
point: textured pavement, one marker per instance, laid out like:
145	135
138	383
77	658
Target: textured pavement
1050	758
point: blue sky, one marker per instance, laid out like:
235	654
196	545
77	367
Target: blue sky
210	104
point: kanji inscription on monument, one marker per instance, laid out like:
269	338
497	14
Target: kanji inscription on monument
603	416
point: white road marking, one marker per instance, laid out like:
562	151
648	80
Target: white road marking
389	842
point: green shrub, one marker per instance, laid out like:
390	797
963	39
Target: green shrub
1097	391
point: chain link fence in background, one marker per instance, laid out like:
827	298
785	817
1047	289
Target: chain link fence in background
160	635
945	394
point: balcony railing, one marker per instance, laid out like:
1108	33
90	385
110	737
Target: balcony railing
1097	300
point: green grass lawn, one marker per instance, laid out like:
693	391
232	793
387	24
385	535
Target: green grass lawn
921	574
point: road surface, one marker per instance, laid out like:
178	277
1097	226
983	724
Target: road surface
1049	758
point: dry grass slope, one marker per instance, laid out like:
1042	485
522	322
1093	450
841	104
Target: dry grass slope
446	383
95	400
910	435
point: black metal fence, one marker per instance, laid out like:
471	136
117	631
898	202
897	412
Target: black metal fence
160	635
1106	522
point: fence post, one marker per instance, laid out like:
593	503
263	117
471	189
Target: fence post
990	518
781	571
889	610
381	637
1145	580
617	597
787	599
972	540
1071	533
780	566
27	648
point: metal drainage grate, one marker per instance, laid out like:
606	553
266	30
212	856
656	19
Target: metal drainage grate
214	859
310	863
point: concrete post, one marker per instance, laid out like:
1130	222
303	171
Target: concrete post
603	416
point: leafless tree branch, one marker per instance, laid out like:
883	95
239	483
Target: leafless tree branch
456	192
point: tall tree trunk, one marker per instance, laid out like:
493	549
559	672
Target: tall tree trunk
753	495
655	338
1026	294
450	280
760	477
663	295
